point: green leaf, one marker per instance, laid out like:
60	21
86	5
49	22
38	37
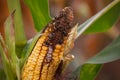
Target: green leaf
6	65
40	12
85	72
4	58
109	54
103	20
89	71
9	37
2	74
100	23
93	65
10	42
20	38
2	41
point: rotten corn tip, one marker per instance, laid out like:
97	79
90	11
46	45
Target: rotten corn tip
66	13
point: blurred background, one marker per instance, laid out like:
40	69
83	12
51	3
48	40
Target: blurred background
86	45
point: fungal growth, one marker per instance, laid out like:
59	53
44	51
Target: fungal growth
59	27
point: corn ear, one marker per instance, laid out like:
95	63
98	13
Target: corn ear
48	51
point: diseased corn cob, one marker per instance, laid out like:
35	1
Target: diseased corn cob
47	54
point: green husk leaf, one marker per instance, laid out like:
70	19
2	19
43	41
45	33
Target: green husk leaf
85	72
108	54
20	38
40	15
92	66
103	20
6	65
89	71
2	74
2	41
10	42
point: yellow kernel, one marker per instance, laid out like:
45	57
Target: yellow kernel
35	52
40	61
61	55
55	54
41	40
44	48
58	46
56	50
43	52
30	68
56	59
38	45
41	58
32	57
31	63
43	37
36	77
37	71
62	49
31	74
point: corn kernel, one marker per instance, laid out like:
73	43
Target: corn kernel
44	48
58	46
41	40
62	49
55	54
56	51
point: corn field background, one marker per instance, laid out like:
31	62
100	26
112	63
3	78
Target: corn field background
97	45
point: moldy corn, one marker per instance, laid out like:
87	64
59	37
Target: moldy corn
48	52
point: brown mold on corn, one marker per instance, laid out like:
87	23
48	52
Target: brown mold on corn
49	49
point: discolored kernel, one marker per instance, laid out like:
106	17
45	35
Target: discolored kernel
50	29
46	30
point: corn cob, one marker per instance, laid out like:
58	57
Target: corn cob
49	50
